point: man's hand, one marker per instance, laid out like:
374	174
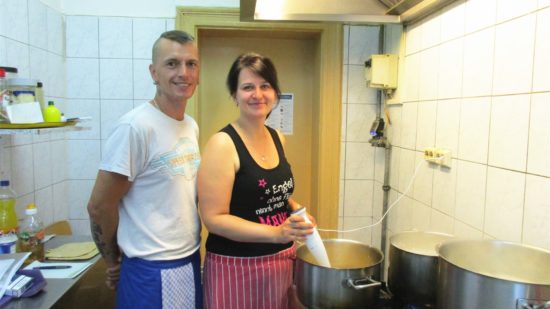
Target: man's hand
113	275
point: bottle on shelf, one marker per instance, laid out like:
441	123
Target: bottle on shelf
39	94
21	90
52	113
4	97
31	233
8	218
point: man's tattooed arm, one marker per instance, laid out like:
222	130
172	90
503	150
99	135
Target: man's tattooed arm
109	189
110	251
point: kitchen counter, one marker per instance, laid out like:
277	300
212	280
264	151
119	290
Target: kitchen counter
55	288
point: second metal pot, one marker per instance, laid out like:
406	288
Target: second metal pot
412	275
350	282
493	274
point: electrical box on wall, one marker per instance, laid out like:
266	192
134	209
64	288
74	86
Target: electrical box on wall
381	71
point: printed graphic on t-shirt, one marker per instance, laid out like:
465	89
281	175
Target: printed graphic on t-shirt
276	196
183	160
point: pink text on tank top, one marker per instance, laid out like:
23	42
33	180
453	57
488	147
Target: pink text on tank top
274	220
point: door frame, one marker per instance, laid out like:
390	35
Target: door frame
327	115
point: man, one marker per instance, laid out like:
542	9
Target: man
143	208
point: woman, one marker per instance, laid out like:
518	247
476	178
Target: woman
245	186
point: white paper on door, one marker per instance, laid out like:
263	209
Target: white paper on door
282	115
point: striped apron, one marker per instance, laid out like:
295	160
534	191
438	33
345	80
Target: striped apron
248	282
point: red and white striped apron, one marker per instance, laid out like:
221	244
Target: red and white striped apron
248	282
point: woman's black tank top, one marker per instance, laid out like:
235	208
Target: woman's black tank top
259	195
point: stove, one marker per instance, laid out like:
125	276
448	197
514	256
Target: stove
387	301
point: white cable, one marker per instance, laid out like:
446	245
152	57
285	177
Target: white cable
387	211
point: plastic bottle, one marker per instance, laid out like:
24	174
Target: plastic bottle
52	113
39	94
22	90
31	234
4	97
314	242
8	218
24	96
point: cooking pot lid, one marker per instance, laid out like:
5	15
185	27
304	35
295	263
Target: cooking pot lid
499	259
423	243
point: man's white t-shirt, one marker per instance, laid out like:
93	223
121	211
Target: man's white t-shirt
158	217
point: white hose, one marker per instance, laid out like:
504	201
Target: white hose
387	211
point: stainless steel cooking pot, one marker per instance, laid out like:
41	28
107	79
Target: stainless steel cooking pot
493	274
412	275
350	282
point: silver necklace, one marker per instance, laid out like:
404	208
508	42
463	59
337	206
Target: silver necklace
262	155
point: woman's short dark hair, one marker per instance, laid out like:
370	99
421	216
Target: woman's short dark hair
258	64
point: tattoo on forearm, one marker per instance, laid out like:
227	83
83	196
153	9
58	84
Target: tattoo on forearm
108	252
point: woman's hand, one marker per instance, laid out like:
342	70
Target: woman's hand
295	228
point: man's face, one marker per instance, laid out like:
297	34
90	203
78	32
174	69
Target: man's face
176	69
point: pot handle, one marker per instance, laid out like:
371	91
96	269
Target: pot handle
352	283
533	304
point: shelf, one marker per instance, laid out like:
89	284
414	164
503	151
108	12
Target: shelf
39	128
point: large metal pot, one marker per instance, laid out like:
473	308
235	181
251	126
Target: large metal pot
412	275
350	282
493	274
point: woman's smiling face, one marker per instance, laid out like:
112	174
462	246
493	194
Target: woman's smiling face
255	96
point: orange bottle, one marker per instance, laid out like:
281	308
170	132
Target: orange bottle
31	234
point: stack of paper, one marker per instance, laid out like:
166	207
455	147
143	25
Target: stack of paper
65	270
73	251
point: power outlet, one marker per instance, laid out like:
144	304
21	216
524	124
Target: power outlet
438	156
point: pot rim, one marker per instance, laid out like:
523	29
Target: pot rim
488	274
445	237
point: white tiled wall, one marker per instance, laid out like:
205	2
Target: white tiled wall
32	40
362	166
90	66
476	81
107	75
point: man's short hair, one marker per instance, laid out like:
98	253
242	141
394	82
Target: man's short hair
179	36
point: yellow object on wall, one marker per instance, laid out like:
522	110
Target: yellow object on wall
381	71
